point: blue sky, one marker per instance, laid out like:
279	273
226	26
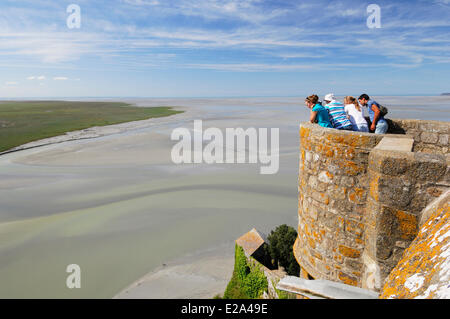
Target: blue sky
194	48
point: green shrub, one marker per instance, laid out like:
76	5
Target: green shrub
255	283
240	263
280	248
248	281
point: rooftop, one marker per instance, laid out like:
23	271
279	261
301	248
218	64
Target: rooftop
251	241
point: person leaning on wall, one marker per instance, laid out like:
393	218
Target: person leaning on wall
355	114
379	124
338	117
319	114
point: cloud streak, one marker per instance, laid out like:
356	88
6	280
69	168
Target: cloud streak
256	26
293	37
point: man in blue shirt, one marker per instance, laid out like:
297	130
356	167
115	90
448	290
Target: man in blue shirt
379	124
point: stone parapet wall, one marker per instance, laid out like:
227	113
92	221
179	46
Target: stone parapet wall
401	184
429	136
424	270
333	187
359	206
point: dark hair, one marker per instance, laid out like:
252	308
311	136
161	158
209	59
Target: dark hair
312	99
364	96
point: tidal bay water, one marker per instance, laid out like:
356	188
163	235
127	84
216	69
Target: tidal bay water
119	207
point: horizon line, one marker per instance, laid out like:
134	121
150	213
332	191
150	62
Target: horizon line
199	97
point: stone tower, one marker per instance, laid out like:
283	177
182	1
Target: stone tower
361	197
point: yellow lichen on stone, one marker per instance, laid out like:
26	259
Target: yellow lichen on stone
373	188
311	243
352	168
304	132
349	140
424	270
356	228
356	195
407	224
348	280
349	252
295	247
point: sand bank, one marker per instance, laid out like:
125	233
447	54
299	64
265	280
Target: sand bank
199	276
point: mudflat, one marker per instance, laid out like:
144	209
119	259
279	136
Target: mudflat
117	206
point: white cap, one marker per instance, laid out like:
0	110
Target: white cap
329	97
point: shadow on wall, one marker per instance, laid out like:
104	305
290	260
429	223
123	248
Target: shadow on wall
394	127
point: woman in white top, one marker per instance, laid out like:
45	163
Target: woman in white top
355	114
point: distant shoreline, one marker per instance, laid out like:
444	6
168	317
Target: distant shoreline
122	98
39	123
84	134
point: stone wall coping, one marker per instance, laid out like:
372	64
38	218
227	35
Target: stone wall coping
324	289
395	144
318	128
435	205
410	122
423	122
374	138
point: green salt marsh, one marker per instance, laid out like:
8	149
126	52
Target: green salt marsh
26	121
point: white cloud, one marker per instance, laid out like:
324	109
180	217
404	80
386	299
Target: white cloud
50	47
337	9
351	13
60	78
117	42
244	10
300	55
142	2
251	67
270	67
39	78
11	83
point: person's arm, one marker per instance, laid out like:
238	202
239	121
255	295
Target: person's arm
313	116
346	111
376	116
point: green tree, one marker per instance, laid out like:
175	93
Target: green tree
281	240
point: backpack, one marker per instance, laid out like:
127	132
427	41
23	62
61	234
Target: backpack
383	110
